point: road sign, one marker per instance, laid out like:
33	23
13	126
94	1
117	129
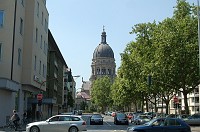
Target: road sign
175	99
39	96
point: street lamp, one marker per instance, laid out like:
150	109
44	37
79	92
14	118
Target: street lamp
77	76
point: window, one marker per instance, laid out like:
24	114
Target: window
35	62
40	67
1	18
44	47
172	122
44	2
41	42
43	70
103	71
42	18
36	35
98	71
0	51
76	119
54	119
22	2
109	71
19	56
38	6
21	26
46	25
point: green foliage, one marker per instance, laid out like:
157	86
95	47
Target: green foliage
167	50
100	93
70	100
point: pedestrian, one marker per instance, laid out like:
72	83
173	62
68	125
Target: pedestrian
38	115
15	119
25	118
29	116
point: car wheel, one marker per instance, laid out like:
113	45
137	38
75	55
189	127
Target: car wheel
34	129
73	129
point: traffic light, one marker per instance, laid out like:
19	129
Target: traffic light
39	102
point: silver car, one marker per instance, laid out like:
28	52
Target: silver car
58	123
141	119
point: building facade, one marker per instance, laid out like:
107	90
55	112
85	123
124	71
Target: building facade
23	47
103	61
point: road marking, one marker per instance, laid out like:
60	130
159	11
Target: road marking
107	123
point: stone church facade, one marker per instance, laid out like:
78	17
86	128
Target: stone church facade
103	61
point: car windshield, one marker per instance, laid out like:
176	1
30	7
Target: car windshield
143	117
121	115
96	116
153	122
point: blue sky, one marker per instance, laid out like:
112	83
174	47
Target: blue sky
76	26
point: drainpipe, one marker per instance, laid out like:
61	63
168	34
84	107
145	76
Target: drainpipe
13	43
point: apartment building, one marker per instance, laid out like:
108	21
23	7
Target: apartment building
23	54
60	80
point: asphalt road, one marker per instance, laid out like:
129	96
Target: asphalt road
109	126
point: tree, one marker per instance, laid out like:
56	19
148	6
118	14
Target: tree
177	50
70	100
100	93
167	50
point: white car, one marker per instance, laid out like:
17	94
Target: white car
58	123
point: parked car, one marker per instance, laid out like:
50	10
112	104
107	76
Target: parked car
184	116
58	123
193	119
150	114
141	119
96	119
172	116
162	125
121	118
134	116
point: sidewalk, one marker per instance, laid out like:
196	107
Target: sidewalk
23	128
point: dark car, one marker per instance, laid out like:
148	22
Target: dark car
162	125
121	118
96	119
193	119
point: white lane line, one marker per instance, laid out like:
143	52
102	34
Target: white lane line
107	123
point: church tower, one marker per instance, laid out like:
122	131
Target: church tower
103	62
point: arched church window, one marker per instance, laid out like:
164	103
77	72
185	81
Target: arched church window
98	71
103	71
109	71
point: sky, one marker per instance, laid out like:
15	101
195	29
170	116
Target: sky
76	26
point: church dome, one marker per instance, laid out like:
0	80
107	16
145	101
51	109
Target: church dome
103	49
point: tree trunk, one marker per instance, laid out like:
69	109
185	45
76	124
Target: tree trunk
186	103
147	105
167	108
